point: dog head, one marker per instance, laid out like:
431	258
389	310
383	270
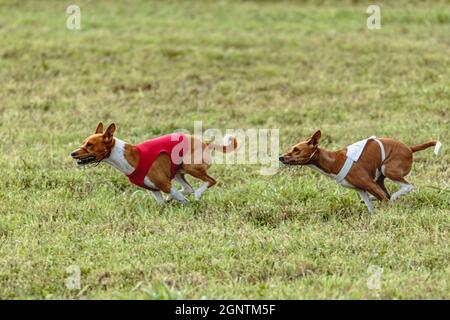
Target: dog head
302	152
96	147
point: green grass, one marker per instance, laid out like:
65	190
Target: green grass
153	67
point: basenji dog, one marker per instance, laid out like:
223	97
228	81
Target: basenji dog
155	163
362	166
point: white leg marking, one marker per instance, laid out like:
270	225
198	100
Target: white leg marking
174	193
363	194
437	147
404	189
199	191
187	188
158	196
149	183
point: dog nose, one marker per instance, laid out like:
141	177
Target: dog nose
73	154
281	158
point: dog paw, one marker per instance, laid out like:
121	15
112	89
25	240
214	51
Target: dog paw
186	193
198	195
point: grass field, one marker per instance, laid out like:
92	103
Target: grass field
154	67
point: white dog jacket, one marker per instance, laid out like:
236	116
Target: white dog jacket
354	151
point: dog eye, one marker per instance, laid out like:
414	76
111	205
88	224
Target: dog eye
296	149
88	145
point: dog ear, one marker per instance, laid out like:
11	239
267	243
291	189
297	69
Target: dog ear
99	128
108	135
314	140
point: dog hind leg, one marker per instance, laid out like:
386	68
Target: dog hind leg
199	172
397	176
405	188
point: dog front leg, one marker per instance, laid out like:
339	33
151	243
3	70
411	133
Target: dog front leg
363	194
175	194
164	184
158	196
187	188
155	193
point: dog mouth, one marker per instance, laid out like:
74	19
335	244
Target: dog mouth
86	160
292	162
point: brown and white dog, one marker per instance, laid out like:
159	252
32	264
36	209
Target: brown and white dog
103	146
366	175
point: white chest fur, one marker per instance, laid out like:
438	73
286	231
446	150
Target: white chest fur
117	157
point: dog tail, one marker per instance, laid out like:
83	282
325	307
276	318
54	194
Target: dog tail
229	144
437	145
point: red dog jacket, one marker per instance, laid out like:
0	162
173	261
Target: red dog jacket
151	149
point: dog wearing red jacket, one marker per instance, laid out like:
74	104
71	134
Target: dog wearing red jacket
155	163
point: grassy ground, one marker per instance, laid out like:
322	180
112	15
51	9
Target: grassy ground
153	67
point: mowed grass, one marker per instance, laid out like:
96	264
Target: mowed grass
154	67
